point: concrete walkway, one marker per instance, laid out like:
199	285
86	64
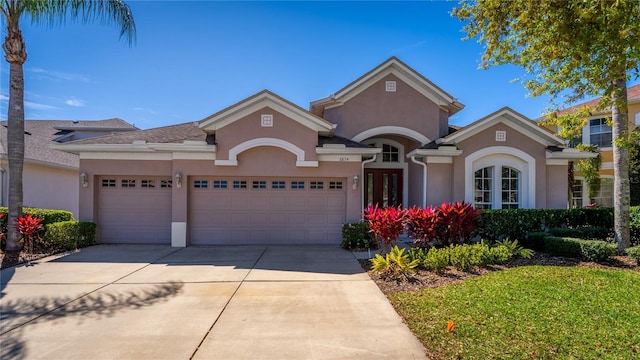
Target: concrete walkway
227	302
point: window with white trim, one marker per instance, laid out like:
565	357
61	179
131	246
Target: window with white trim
147	184
485	182
278	184
297	185
165	184
390	153
604	197
577	200
510	188
600	133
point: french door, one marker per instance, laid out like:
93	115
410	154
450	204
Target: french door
383	187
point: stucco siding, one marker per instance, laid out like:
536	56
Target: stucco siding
514	140
440	184
250	127
557	185
50	188
375	107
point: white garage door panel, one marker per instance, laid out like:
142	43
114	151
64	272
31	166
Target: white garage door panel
297	214
134	214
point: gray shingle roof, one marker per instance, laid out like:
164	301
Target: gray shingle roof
166	134
39	134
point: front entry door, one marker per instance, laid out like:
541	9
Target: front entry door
383	187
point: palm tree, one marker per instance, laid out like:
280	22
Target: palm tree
48	12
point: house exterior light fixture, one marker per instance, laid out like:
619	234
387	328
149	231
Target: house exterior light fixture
84	179
355	182
178	180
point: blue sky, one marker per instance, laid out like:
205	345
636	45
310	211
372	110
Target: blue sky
192	59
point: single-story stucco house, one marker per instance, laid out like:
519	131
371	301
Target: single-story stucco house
266	171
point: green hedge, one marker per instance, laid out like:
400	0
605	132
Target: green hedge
634	253
357	236
587	233
49	216
592	250
517	223
71	234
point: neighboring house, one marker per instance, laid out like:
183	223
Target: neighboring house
598	132
51	177
266	171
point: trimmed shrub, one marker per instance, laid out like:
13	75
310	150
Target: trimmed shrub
634	225
559	246
634	253
592	250
517	223
587	232
49	216
597	250
357	236
499	254
71	234
436	260
535	240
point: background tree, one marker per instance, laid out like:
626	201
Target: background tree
569	50
47	12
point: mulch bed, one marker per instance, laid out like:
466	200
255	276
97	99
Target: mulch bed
424	279
12	258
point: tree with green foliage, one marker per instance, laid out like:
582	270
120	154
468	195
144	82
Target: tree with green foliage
48	12
569	50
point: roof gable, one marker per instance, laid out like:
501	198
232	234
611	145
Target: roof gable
258	101
405	73
510	118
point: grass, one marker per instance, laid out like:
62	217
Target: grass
530	312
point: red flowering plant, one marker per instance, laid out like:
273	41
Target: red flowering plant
29	226
423	224
457	222
385	223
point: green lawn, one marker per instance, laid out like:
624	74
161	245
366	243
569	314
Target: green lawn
530	312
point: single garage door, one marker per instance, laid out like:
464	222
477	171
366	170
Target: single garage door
266	210
134	209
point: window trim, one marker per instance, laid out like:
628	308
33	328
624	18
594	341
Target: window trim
503	156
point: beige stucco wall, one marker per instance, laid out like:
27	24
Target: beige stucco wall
557	185
439	184
50	188
249	127
376	107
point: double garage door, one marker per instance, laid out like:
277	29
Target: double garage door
242	210
266	210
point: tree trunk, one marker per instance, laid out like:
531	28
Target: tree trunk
621	194
15	140
16	55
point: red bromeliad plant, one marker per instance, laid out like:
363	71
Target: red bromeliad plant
28	226
423	224
385	223
458	222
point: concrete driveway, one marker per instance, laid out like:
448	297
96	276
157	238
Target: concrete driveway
226	302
